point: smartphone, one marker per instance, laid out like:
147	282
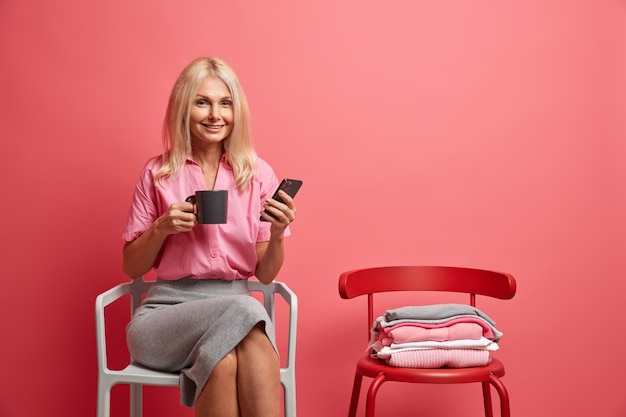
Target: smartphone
288	185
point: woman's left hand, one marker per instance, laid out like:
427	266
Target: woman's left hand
283	214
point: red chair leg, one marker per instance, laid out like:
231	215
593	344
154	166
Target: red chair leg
356	391
370	405
487	399
505	407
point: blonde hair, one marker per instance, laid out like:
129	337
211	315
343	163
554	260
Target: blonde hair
177	146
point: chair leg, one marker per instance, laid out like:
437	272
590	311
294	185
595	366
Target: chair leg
371	394
104	401
136	406
356	390
289	400
487	399
505	407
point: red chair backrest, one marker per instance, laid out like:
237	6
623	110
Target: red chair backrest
369	281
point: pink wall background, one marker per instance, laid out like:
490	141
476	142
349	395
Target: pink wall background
473	133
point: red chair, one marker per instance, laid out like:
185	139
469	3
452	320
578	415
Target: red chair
426	278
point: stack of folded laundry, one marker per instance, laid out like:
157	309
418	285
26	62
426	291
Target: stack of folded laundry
434	336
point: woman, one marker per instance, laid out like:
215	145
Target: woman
200	318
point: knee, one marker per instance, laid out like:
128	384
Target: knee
257	344
227	367
256	337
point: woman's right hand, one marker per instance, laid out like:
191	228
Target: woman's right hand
140	254
178	218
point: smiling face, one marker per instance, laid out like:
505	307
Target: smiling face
211	116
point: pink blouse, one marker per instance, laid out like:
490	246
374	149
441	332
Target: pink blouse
212	251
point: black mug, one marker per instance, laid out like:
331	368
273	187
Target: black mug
211	206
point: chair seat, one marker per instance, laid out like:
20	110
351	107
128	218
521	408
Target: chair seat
164	378
371	367
137	374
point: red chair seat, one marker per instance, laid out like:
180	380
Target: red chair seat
371	367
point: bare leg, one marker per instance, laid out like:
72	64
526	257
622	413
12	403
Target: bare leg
258	375
219	395
246	381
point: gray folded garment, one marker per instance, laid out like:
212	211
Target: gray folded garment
435	312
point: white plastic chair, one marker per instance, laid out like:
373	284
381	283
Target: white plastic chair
137	376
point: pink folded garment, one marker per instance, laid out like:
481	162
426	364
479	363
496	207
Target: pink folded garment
438	358
487	330
458	331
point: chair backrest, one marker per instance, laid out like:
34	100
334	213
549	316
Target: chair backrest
138	287
369	281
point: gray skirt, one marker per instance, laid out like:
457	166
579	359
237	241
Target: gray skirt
189	325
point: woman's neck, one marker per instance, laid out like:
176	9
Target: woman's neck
209	161
208	155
